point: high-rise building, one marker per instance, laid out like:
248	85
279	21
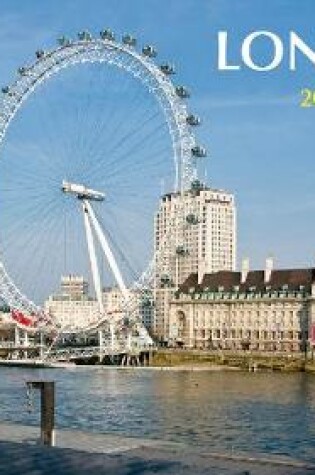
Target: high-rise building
74	286
205	242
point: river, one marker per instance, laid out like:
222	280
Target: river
269	413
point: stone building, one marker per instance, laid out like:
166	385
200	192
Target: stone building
205	244
72	307
113	301
264	310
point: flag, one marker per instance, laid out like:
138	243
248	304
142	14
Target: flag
22	319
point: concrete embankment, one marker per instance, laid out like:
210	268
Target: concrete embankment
247	361
79	453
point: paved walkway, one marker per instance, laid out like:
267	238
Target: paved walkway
79	453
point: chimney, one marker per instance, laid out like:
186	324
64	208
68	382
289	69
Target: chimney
201	271
268	269
245	270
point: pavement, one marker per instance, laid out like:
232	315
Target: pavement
78	452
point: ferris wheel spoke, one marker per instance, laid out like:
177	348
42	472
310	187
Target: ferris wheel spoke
113	121
21	230
132	269
131	154
21	226
98	149
135	148
120	125
32	265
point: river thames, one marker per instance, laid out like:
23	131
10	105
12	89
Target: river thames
265	413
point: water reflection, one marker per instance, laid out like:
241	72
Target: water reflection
215	410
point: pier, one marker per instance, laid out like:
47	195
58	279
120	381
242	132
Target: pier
78	452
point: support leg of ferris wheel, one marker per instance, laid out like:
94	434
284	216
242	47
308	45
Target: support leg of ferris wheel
95	271
110	259
107	251
92	256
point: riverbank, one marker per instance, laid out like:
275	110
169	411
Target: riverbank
80	452
245	361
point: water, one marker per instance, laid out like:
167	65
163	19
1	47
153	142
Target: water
259	413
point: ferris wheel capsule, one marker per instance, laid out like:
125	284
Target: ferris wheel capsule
107	34
167	69
146	301
129	40
181	250
40	53
166	279
199	151
182	92
63	41
192	219
5	90
196	185
149	51
84	36
23	71
193	120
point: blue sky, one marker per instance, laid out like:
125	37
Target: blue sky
260	141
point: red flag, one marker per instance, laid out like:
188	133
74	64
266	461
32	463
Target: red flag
20	318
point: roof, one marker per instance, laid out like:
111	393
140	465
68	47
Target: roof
292	278
168	196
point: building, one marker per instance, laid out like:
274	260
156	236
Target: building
204	243
74	286
207	241
72	307
114	304
262	310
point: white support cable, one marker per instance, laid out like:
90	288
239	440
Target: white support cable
107	251
92	256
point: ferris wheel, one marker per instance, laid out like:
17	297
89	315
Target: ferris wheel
91	134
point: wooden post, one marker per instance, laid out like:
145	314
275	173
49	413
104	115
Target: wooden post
47	423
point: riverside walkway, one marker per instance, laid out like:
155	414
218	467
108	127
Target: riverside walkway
79	453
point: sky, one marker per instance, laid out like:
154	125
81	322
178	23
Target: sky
260	141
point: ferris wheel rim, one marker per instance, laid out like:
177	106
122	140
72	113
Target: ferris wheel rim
79	52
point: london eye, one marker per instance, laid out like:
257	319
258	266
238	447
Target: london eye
91	133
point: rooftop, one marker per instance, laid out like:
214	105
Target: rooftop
292	279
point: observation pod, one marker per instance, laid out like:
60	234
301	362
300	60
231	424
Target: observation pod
182	92
84	36
167	69
199	151
107	34
63	41
149	51
193	119
146	301
165	279
7	90
23	71
40	53
196	185
181	251
129	40
192	219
